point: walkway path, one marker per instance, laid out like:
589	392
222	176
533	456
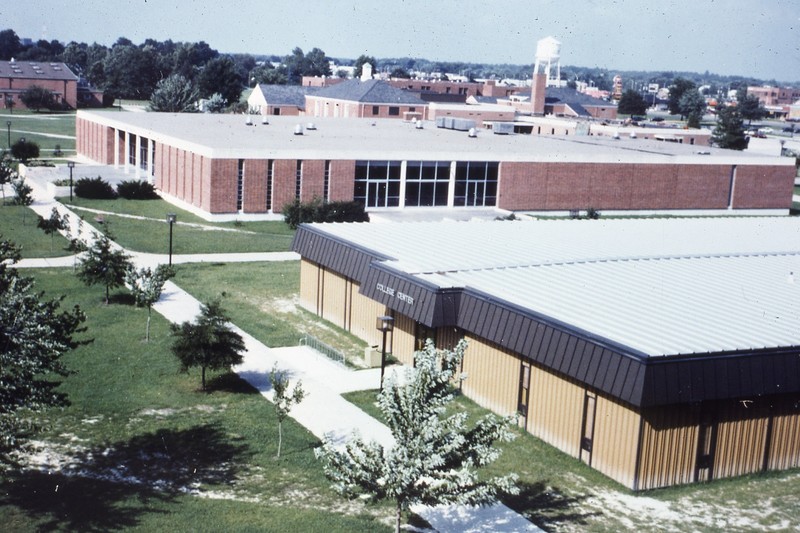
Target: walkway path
324	411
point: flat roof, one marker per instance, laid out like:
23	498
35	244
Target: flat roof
227	136
660	287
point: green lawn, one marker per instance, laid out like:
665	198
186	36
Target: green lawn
142	449
18	224
560	493
46	129
153	235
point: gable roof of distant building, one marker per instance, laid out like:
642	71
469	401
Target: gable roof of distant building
36	70
369	92
293	95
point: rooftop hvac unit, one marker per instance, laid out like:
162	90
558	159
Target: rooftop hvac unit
463	124
503	128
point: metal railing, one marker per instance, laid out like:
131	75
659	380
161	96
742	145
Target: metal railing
328	351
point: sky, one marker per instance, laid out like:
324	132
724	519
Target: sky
758	38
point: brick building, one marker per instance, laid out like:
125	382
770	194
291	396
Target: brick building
220	165
17	76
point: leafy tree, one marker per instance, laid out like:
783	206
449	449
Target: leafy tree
36	98
174	94
209	342
130	71
749	106
676	90
216	103
95	189
267	75
317	63
220	75
729	131
53	224
103	265
25	150
360	62
188	58
435	456
146	286
10	45
34	334
692	105
632	103
282	399
400	72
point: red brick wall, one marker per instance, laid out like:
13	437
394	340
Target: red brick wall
223	186
67	90
341	184
283	183
255	186
562	186
762	187
313	180
537	93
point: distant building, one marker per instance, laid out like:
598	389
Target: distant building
227	166
17	76
279	99
776	100
365	99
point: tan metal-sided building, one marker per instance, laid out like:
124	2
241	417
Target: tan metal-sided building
658	351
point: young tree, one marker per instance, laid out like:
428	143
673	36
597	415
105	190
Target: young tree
632	103
216	103
53	224
36	98
282	400
749	106
25	150
103	265
676	90
34	334
7	174
22	196
209	342
729	131
174	94
146	286
435	457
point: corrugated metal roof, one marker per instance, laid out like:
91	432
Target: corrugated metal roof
657	286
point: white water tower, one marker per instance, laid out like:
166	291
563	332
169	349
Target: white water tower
548	55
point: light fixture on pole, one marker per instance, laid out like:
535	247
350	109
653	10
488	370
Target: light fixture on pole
385	324
8	130
70	165
171	218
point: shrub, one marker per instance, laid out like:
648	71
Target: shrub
316	210
94	189
25	150
137	190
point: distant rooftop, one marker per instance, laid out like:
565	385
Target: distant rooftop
291	95
369	92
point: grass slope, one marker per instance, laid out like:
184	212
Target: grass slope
18	224
140	448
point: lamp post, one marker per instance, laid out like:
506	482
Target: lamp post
385	324
70	165
8	131
171	218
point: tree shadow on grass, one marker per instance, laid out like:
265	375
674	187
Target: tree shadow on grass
229	382
112	487
122	298
547	507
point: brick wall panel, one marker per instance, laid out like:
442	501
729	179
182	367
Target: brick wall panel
255	186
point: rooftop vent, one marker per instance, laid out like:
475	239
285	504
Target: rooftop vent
249	121
472	133
264	120
633	135
418	125
311	126
616	135
298	130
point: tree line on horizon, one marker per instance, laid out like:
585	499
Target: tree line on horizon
133	71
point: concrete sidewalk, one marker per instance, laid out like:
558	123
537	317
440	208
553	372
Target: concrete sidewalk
324	411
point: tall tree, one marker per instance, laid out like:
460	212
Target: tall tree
435	458
34	334
209	342
10	45
692	106
729	131
220	75
676	90
174	94
103	265
749	106
130	71
146	286
317	63
361	61
282	399
632	103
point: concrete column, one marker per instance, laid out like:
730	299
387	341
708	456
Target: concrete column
451	188
127	152
116	148
137	156
403	169
150	156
